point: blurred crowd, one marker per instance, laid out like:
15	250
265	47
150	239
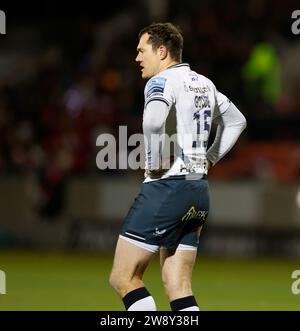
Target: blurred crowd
66	80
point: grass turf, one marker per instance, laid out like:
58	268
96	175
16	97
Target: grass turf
39	280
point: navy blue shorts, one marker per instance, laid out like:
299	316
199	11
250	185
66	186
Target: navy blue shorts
168	212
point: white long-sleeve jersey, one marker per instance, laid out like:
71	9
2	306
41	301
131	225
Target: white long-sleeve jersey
180	106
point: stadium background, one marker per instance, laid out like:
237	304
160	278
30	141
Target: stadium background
67	74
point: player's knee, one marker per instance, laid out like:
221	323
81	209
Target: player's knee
119	282
115	281
177	287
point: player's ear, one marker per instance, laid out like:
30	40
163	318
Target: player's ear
163	52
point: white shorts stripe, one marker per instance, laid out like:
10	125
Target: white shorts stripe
147	247
183	247
134	235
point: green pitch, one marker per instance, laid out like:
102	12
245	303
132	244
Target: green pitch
37	280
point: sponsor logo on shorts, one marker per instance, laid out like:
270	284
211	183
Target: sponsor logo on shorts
192	213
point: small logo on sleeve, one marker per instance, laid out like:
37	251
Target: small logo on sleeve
155	86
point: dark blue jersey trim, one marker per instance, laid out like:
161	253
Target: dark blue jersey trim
158	99
179	65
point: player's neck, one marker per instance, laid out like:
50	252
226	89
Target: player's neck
168	64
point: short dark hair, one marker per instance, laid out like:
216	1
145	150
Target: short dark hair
165	34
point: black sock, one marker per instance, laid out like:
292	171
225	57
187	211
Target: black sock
183	303
137	295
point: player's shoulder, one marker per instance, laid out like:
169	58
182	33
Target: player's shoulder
159	83
205	80
159	79
155	85
156	80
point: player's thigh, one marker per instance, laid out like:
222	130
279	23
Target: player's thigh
130	260
183	255
177	267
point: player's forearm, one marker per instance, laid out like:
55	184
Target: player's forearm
152	148
230	126
225	139
154	119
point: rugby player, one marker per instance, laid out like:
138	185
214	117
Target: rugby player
168	214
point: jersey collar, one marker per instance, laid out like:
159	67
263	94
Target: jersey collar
179	65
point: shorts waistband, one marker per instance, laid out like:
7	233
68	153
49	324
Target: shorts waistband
192	176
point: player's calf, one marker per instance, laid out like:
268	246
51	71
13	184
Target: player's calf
123	284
